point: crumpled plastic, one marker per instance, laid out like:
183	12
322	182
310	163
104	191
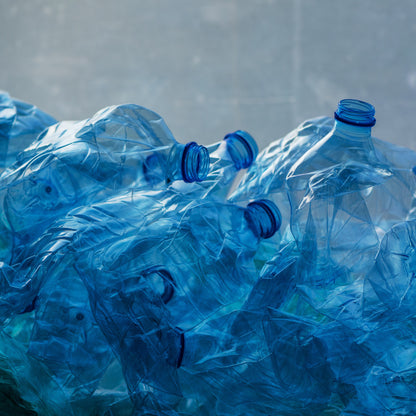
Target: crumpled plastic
127	290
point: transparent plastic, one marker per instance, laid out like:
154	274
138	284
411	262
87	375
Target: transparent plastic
237	151
74	163
162	272
343	195
155	264
20	124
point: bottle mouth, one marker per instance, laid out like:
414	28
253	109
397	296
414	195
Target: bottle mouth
355	112
242	148
263	217
195	162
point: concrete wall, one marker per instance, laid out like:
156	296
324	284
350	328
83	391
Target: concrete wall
209	67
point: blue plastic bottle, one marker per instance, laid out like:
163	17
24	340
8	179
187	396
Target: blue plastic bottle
73	164
329	187
266	178
237	151
65	336
26	386
20	123
389	289
164	273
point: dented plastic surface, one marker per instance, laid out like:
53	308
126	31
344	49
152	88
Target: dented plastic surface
20	124
131	286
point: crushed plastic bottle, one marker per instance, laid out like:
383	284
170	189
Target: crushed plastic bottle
266	177
75	163
72	164
130	287
20	124
332	189
156	285
237	151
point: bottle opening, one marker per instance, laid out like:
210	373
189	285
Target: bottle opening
355	112
195	162
242	148
263	217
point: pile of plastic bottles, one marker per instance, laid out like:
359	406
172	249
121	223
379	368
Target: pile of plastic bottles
142	276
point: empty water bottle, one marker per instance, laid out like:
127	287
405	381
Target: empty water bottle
266	178
65	335
20	124
73	163
165	273
328	189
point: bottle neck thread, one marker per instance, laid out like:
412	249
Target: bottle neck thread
355	113
263	218
242	148
195	162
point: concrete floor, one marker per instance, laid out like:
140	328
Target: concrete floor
209	67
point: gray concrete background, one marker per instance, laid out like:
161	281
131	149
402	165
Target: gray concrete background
209	67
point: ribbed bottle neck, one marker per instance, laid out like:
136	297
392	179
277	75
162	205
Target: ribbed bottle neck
194	162
189	163
263	218
355	113
354	120
242	148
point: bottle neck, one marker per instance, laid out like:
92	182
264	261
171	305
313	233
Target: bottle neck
263	218
352	132
187	162
242	149
353	120
238	149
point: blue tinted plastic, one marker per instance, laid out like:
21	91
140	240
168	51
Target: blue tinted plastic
168	300
73	163
20	124
158	303
242	148
195	163
355	112
343	194
236	151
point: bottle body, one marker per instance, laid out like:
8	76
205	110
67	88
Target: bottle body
20	123
267	177
76	163
65	335
328	189
149	288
